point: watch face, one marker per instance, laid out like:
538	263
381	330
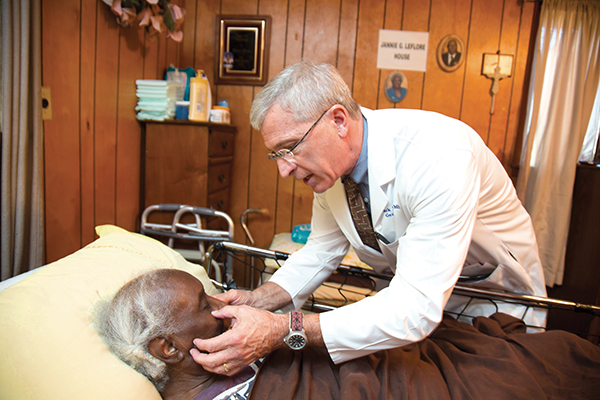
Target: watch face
297	342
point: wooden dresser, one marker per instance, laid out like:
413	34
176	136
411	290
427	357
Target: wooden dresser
187	162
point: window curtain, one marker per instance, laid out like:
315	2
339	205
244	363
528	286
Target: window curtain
22	208
589	151
564	83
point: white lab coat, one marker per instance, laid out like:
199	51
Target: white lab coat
443	201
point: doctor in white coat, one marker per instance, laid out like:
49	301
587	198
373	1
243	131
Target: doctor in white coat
441	207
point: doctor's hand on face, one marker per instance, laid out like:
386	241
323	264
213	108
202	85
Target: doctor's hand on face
254	333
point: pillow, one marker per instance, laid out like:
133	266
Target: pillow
49	349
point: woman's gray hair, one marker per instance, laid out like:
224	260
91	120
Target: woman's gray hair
137	314
306	90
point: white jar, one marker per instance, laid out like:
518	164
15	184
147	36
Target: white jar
220	115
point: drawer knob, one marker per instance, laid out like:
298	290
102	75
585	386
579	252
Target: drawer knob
221	178
220	204
224	144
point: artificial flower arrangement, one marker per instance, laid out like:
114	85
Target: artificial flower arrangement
156	15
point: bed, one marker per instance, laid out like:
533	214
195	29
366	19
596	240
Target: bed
50	350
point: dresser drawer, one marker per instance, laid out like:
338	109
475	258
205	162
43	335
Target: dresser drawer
219	200
220	144
219	177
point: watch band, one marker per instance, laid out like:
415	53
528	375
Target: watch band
296	321
296	339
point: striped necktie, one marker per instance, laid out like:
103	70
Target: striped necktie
360	216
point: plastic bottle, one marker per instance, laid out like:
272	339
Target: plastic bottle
200	98
220	114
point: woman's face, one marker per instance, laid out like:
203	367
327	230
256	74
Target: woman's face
192	309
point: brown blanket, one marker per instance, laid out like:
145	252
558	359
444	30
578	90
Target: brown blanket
494	359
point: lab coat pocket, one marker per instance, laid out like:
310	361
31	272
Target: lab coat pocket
476	272
389	251
502	277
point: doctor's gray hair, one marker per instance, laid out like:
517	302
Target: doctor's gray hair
137	314
306	90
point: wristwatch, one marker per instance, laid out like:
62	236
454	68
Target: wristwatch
296	339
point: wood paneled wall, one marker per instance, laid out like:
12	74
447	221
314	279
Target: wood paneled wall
92	144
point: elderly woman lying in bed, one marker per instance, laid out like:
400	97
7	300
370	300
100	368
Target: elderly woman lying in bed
151	322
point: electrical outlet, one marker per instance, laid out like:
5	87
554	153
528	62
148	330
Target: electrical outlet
46	104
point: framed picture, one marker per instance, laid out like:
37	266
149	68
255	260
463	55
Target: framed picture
242	49
449	53
396	86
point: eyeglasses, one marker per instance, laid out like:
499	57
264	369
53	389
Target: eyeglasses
287	154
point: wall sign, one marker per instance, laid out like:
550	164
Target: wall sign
403	50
